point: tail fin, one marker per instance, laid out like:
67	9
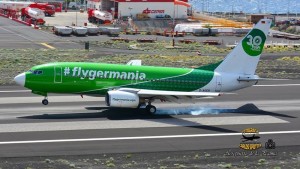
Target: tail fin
243	59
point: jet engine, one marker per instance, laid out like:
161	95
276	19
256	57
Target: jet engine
122	99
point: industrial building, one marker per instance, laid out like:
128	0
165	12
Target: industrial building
153	8
254	18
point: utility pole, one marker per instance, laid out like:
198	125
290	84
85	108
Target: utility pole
288	12
76	12
173	38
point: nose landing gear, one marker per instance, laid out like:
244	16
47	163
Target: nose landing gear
45	101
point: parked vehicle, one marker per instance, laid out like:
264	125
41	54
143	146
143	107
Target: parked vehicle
34	15
99	17
162	16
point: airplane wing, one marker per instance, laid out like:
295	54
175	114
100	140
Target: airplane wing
169	95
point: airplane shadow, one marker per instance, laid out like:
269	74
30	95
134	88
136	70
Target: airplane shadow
101	112
251	108
134	114
127	114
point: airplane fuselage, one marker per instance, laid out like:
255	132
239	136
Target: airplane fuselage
97	78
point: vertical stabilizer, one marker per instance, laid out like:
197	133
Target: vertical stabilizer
243	59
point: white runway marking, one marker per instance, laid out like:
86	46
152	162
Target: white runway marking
15	91
147	123
277	85
143	137
54	99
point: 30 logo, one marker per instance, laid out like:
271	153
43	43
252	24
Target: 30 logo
253	44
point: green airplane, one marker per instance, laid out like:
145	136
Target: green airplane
133	85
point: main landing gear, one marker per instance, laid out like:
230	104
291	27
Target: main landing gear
150	108
45	101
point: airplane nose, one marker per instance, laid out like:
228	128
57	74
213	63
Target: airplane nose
20	79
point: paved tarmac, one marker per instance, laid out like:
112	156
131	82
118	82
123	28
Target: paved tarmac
71	125
14	35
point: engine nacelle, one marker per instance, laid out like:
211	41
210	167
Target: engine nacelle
122	99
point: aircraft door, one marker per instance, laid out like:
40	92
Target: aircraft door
218	83
57	74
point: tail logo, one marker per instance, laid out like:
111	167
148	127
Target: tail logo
253	43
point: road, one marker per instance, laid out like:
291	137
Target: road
71	125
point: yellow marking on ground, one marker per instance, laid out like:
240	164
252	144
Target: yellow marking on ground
48	46
221	22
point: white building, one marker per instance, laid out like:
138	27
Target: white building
154	8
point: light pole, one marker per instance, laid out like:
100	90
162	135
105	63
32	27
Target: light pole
130	11
288	12
76	13
173	38
66	6
114	12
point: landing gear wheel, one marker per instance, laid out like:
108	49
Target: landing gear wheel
45	102
151	109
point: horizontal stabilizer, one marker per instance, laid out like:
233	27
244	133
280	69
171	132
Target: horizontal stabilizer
248	79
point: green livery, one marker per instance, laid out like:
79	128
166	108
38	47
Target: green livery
97	78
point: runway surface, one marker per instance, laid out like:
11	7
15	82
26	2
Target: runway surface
71	125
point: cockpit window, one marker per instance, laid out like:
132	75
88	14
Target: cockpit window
37	72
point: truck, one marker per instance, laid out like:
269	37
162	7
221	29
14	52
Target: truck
9	7
48	9
99	17
33	15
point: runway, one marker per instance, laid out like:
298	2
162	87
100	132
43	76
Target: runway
14	35
71	125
